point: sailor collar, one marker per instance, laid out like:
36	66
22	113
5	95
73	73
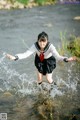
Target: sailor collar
45	49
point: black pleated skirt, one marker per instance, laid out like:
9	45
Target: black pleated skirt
46	66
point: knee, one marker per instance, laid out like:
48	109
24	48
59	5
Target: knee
39	78
50	80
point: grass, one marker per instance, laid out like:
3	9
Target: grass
40	2
71	46
43	2
74	46
25	2
63	49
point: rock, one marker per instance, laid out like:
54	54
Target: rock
77	18
7	94
8	6
7	98
2	2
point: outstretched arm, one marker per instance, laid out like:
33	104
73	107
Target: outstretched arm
59	57
22	55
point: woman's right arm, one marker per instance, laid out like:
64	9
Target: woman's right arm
22	55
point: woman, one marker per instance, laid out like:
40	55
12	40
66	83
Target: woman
45	58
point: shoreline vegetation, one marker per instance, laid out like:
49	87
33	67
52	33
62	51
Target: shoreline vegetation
74	47
21	4
70	46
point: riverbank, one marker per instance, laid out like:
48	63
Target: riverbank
8	5
14	5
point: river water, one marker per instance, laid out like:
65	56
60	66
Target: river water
20	96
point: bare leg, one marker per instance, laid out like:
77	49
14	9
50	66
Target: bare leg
40	75
49	78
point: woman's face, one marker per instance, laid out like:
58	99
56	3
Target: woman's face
42	43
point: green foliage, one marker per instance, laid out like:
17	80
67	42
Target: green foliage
23	1
51	0
64	42
40	2
71	46
74	46
11	1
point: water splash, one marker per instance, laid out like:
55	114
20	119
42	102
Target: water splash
56	92
12	79
3	56
22	83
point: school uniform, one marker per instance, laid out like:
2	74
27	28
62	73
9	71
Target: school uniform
45	61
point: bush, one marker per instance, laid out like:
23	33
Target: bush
74	46
71	46
40	2
23	1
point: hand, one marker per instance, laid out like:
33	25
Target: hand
10	57
72	59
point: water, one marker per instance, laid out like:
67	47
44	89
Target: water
19	92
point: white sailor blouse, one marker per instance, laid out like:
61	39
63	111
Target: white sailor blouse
49	51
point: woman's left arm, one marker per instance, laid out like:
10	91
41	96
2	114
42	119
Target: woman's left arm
59	57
